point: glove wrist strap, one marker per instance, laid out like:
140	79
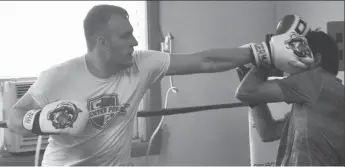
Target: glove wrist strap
36	128
31	122
261	54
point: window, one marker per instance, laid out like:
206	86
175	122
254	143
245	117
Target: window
38	34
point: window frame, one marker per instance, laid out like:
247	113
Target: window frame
152	99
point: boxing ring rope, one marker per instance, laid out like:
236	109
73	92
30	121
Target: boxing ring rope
175	111
184	110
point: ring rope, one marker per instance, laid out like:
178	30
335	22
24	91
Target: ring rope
174	111
183	110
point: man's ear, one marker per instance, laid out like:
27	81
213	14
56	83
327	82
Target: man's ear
101	42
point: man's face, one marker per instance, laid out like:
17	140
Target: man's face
119	42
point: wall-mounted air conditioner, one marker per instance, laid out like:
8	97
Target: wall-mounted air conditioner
11	91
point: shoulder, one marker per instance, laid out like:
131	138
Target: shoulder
66	66
58	71
306	78
149	54
306	74
149	59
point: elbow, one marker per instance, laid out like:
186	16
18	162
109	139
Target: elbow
247	96
241	95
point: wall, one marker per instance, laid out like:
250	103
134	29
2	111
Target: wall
316	13
217	137
220	137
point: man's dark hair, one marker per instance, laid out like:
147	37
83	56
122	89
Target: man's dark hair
97	18
325	45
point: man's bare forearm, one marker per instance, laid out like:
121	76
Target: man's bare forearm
228	54
223	59
17	113
209	61
265	125
15	122
268	128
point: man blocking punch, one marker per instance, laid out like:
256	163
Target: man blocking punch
312	134
109	82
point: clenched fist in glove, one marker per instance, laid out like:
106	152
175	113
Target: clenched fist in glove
60	117
285	50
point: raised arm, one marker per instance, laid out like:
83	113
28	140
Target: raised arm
208	61
267	128
299	88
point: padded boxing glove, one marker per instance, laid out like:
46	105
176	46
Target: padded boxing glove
284	53
284	50
60	117
292	24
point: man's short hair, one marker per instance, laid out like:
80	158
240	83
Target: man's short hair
322	43
97	18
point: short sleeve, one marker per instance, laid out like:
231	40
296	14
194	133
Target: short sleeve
303	87
42	87
154	64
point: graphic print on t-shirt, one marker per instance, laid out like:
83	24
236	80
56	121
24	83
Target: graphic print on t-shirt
104	108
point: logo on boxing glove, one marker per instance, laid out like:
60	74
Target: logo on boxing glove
299	45
64	115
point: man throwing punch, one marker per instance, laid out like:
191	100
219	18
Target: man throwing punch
87	104
312	134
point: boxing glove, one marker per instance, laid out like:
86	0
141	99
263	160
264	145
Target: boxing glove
284	52
60	117
295	27
292	24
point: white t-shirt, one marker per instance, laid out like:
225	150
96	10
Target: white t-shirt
107	138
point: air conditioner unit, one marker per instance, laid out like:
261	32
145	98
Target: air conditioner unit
12	90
